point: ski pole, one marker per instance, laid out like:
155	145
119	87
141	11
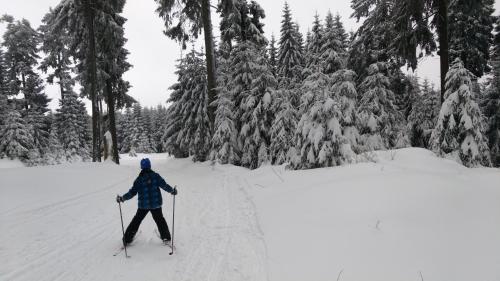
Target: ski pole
123	230
173	224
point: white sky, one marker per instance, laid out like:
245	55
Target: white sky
154	56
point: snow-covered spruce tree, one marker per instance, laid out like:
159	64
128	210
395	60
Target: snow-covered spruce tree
470	33
139	131
312	55
147	119
283	128
343	37
126	131
192	134
377	115
157	127
55	45
256	114
224	140
491	101
331	47
21	44
273	55
16	140
423	116
459	130
344	90
373	40
174	114
3	89
195	134
55	152
321	142
71	122
35	113
289	53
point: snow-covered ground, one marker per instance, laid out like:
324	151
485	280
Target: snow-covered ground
411	216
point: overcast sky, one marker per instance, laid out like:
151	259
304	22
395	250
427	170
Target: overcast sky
154	56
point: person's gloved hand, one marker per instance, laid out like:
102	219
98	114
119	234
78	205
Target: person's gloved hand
174	192
119	199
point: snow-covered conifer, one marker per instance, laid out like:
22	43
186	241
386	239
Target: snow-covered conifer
256	114
331	47
344	90
378	118
273	56
313	49
139	131
289	54
21	53
459	130
16	140
283	128
491	101
55	152
190	132
423	115
470	33
71	120
224	140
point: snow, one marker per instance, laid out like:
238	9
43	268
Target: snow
410	213
6	163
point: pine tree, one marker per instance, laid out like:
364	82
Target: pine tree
139	131
459	130
491	101
313	49
283	128
470	31
3	89
21	44
55	45
71	122
224	141
423	116
192	134
378	117
343	37
126	132
55	153
289	54
331	47
344	90
273	63
256	116
16	140
157	127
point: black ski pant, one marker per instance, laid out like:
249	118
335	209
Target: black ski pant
136	222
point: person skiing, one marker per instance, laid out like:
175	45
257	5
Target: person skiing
147	185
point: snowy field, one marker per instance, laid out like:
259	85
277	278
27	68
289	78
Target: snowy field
411	216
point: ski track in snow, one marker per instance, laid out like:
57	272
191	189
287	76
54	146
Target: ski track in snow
217	236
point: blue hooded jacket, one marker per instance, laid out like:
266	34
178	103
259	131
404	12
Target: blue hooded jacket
148	185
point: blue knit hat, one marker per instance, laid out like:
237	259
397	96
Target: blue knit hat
145	163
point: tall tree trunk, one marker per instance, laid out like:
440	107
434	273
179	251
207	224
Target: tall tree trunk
92	69
210	58
60	76
443	43
112	120
23	80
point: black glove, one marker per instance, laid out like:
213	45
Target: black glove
174	192
119	199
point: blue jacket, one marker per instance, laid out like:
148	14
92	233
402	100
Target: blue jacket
148	185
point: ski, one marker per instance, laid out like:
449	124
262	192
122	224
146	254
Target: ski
130	244
168	244
119	251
